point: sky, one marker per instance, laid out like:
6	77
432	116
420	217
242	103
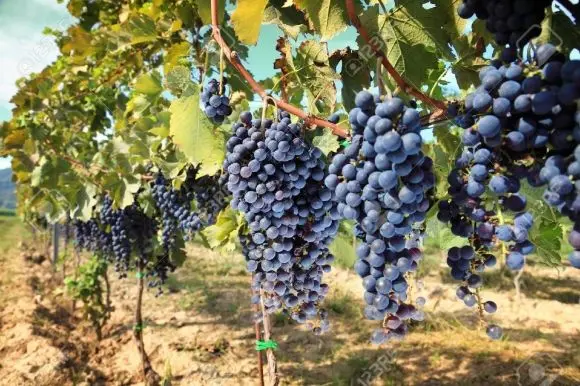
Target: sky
23	47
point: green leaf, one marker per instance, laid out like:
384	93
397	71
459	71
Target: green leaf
174	54
140	28
355	74
449	141
409	47
547	234
344	246
563	32
439	236
224	233
247	19
160	131
178	254
469	61
308	74
179	81
149	84
195	135
290	20
328	17
327	142
317	76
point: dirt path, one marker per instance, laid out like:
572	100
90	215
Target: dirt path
201	333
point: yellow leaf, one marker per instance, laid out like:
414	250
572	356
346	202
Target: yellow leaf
174	54
247	19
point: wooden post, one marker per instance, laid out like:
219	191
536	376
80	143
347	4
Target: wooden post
257	329
54	245
274	380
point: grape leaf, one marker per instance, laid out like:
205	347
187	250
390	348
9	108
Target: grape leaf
195	135
344	246
415	25
439	237
247	19
224	233
355	74
328	17
174	54
140	28
327	142
409	49
547	234
317	76
149	84
289	19
450	142
469	61
178	81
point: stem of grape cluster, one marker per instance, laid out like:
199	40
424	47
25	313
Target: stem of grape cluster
479	306
234	60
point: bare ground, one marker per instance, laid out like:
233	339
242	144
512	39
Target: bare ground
201	333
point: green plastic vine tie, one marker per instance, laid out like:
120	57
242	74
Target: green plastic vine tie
345	143
139	275
138	327
265	345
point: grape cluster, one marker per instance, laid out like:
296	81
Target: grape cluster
89	236
175	210
530	110
276	180
512	22
562	176
514	119
210	194
216	107
382	181
116	233
119	234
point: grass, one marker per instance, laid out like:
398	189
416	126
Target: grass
7	212
344	305
12	231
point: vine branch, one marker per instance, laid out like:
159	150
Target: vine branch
234	59
402	83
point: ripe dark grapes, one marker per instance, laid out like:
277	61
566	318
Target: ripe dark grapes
176	212
216	106
383	182
512	22
277	181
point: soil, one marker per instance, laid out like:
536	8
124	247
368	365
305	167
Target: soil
200	332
